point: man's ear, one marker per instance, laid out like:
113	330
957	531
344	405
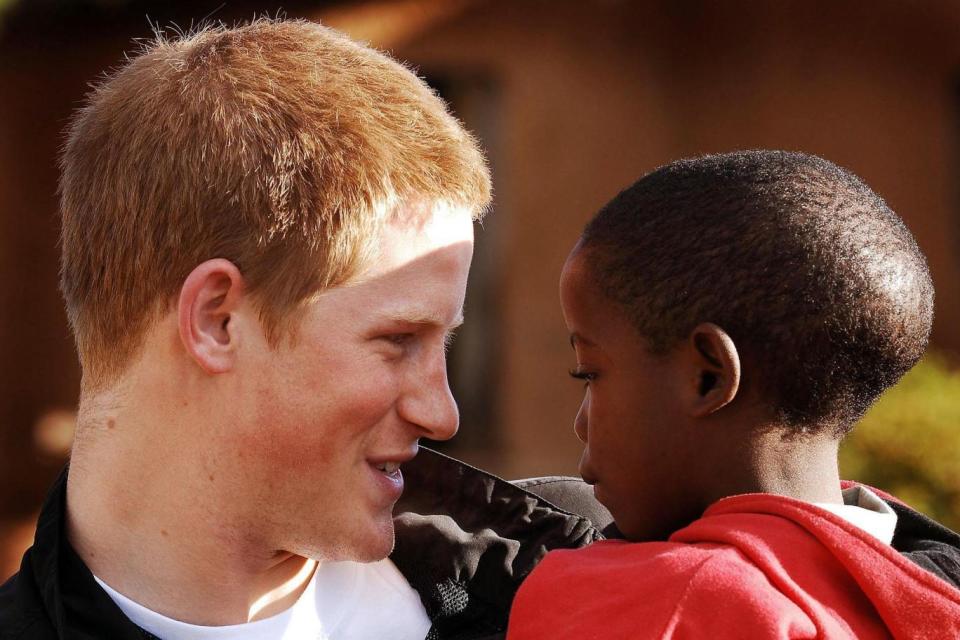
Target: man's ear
716	369
209	299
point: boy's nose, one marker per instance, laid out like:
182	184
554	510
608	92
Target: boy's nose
580	422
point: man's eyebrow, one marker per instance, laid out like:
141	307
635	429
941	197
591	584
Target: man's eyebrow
425	318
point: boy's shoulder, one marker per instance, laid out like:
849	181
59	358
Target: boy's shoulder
661	588
757	562
652	575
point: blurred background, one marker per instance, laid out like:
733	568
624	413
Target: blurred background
572	100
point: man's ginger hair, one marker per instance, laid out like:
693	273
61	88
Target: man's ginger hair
281	146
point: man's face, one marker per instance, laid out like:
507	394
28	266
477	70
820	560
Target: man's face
630	421
335	413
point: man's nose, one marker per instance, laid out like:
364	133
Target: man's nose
580	422
427	401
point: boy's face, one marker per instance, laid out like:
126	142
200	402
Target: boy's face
638	445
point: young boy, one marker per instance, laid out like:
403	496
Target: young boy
733	316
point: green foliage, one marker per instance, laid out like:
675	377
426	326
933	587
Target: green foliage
908	444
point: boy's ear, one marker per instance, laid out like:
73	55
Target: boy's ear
209	299
715	369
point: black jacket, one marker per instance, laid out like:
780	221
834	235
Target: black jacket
465	542
464	539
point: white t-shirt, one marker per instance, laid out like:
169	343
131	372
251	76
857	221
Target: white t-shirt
343	601
865	509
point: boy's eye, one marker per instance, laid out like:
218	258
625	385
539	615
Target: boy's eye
581	374
448	339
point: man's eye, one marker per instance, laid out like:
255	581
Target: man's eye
398	339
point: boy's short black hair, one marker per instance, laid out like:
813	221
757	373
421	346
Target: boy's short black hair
821	286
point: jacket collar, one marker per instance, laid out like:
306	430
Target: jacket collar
466	539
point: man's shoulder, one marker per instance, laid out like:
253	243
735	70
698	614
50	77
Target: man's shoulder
21	613
927	543
466	539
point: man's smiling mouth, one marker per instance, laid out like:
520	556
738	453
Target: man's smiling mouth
389	468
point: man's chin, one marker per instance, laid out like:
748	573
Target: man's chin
375	549
369	543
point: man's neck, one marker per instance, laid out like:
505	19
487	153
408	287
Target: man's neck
140	515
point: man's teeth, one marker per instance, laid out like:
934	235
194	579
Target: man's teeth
388	467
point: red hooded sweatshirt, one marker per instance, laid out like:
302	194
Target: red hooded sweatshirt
753	566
